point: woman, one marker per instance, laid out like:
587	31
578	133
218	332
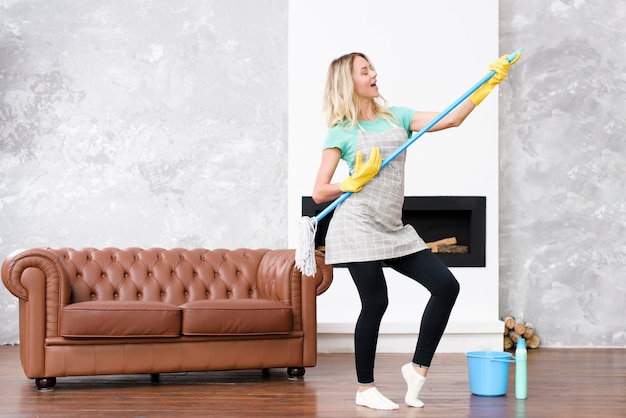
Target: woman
366	229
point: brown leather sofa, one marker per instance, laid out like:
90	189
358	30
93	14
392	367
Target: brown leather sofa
128	311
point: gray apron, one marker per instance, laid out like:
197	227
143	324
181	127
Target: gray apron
368	226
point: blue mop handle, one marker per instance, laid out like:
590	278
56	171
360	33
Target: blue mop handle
418	134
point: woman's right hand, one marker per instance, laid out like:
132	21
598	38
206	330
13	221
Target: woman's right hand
363	172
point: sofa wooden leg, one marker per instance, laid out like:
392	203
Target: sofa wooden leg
295	372
45	383
265	372
154	378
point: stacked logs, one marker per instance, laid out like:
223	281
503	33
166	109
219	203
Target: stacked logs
447	246
515	328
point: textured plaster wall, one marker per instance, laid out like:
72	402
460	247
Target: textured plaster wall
563	170
141	123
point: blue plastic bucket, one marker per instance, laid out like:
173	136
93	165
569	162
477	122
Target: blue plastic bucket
488	372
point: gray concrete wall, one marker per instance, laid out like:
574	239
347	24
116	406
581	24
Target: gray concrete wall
141	123
563	170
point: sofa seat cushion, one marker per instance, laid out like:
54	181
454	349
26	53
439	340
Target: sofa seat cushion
97	319
236	317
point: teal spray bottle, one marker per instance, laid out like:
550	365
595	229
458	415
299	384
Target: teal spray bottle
521	369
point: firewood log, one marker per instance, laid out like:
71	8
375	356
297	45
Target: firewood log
533	342
434	245
509	322
508	344
519	327
446	241
452	249
514	336
530	331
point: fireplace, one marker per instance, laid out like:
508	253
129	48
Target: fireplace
434	218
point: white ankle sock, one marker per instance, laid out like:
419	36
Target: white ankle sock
414	382
373	399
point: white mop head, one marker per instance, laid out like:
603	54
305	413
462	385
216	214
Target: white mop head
305	250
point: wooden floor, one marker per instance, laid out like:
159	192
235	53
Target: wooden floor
562	383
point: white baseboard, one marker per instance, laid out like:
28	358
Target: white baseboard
459	337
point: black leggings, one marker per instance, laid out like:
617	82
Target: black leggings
423	267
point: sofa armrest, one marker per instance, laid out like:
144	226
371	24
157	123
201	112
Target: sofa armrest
277	270
324	273
39	279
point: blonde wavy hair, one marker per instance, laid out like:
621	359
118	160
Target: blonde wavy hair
340	104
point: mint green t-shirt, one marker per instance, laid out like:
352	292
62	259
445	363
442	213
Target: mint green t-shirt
345	139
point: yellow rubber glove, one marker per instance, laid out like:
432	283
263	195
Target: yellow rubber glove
363	172
501	67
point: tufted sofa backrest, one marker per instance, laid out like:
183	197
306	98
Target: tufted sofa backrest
174	276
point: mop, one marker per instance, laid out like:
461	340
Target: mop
307	227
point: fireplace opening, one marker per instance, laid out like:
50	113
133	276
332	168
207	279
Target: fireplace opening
435	218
